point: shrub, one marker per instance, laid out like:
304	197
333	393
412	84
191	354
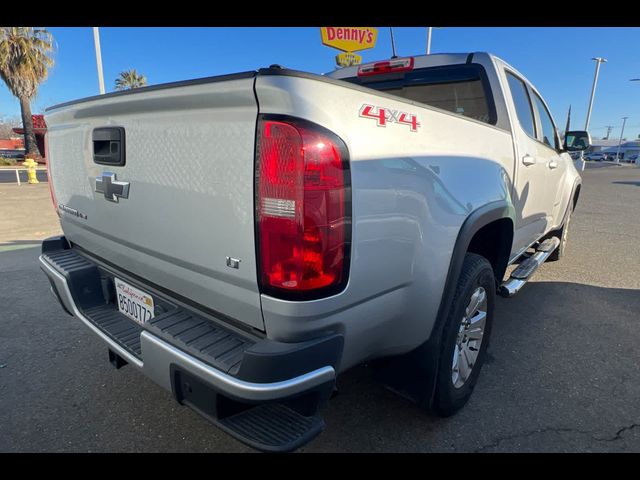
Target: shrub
8	161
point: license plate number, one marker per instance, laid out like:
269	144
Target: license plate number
133	302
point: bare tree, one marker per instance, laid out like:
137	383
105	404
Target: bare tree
7	124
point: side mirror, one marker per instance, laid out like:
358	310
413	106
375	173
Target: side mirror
576	141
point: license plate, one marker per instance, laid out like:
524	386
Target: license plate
133	302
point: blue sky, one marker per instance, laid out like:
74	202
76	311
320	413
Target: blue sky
556	60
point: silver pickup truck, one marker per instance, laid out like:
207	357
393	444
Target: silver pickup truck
244	239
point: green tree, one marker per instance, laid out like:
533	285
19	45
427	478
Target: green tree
25	58
130	79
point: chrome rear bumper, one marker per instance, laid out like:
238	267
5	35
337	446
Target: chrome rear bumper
158	356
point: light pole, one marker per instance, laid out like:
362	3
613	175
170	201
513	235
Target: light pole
624	121
429	33
598	60
96	41
638	155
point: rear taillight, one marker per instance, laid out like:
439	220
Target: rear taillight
303	203
49	180
387	66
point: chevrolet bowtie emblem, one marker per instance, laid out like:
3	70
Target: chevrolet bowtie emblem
111	189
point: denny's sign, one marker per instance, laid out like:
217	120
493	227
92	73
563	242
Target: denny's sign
349	39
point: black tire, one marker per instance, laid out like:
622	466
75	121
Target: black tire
559	252
476	272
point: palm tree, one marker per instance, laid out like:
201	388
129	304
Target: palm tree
24	63
130	79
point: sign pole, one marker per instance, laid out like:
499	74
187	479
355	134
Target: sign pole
393	43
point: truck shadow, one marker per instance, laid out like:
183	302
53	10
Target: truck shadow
637	184
560	354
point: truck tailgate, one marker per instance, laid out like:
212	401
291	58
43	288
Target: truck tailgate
189	165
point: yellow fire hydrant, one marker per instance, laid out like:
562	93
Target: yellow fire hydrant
31	170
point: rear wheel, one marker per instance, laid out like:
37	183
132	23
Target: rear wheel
465	335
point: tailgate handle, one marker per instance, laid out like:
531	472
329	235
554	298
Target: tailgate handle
108	146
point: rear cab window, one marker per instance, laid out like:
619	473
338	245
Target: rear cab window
461	89
522	103
548	133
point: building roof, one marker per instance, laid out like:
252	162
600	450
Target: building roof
604	143
11	143
38	121
39	125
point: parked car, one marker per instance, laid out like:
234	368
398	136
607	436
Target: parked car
244	239
596	156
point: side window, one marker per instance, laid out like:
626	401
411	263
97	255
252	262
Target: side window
548	130
522	103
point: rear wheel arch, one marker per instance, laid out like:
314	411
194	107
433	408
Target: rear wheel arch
497	216
415	373
493	216
493	242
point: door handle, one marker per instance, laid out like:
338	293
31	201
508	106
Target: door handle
553	163
108	146
528	160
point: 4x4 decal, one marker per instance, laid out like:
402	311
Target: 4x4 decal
382	116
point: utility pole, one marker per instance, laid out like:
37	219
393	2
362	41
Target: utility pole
96	41
568	126
598	60
609	128
624	121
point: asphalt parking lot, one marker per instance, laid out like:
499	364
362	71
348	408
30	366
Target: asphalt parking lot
562	374
27	214
8	175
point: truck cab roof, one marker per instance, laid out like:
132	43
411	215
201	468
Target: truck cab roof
420	61
433	60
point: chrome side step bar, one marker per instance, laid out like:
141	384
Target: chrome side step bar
523	273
